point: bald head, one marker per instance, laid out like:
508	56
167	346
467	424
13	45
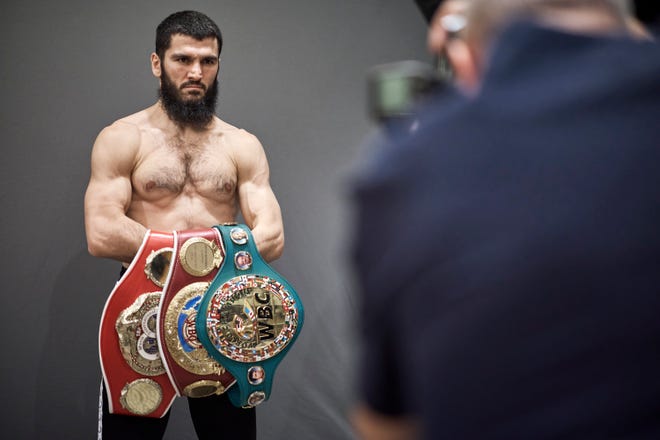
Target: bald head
486	19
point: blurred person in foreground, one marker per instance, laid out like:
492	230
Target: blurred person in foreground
507	250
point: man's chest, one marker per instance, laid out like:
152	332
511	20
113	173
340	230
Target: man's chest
206	169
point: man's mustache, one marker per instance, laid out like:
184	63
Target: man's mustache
193	83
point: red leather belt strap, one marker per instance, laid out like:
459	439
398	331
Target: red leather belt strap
133	370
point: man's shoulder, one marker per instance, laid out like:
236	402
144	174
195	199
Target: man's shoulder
129	124
122	131
125	131
534	57
224	127
144	119
235	135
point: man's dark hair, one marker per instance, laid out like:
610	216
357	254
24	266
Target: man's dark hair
191	23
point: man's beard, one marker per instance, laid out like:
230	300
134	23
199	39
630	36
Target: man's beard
197	112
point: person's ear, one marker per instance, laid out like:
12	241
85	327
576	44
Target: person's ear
436	38
155	65
465	65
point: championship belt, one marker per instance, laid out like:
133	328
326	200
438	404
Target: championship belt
197	256
135	378
249	317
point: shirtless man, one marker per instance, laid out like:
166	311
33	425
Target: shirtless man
176	166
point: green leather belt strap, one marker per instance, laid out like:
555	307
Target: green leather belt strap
248	318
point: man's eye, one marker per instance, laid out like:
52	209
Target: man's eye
209	62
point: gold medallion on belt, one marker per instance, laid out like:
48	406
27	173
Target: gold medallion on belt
141	396
200	256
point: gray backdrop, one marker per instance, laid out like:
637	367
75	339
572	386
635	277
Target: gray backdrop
293	73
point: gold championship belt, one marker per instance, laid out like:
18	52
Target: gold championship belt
197	256
133	370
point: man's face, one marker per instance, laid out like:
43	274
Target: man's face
188	79
191	65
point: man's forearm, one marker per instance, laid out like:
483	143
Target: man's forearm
269	241
118	239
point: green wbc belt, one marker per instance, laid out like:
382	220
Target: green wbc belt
248	318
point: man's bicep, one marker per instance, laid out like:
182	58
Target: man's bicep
110	233
262	214
107	196
257	200
258	203
112	163
114	153
251	162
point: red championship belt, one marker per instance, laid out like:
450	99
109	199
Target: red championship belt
197	256
134	373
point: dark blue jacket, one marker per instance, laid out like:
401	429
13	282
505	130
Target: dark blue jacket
508	251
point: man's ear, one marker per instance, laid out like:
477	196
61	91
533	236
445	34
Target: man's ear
155	65
465	65
436	38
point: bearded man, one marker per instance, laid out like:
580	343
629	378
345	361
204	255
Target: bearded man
177	166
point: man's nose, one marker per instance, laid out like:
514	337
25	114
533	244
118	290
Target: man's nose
195	72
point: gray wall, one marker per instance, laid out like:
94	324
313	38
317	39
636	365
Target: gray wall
292	73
